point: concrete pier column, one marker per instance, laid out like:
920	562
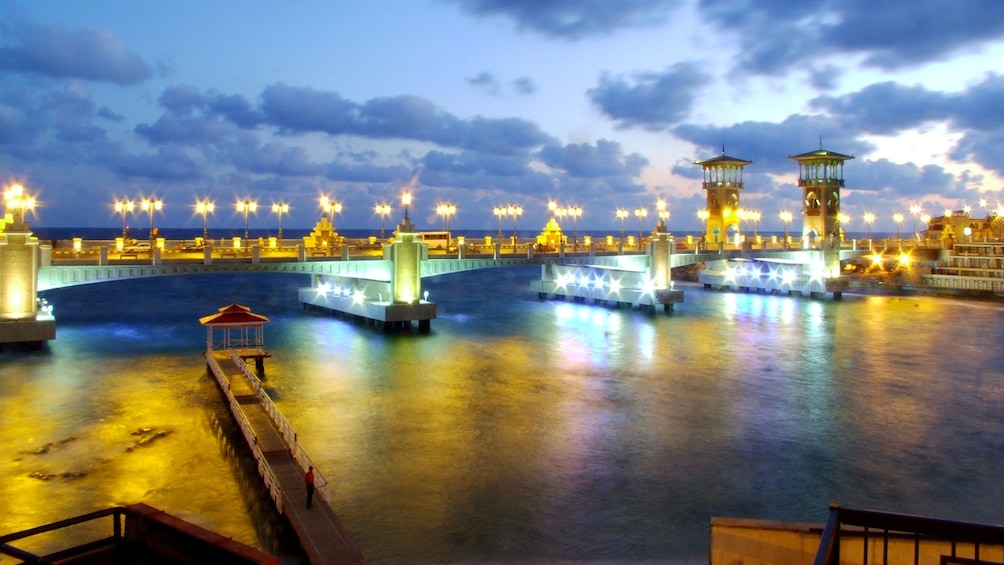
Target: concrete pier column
18	274
406	276
660	251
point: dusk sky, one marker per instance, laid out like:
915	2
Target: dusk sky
603	104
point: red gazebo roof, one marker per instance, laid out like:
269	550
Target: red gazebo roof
234	315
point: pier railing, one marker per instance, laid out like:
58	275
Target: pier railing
284	427
271	482
854	536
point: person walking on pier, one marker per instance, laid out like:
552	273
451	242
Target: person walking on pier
308	479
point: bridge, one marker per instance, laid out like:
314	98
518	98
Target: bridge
382	283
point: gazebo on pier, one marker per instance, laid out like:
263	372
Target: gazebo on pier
236	328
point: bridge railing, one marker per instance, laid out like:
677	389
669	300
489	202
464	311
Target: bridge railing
283	426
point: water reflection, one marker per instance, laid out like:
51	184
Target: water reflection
520	429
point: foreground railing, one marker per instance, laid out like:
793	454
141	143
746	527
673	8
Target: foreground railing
869	537
138	534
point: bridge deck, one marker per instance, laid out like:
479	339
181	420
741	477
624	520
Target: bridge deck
322	536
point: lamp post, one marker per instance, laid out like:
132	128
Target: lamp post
499	212
622	215
915	211
869	219
515	212
446	210
575	212
16	199
280	208
785	216
204	207
406	201
246	207
331	208
640	213
382	210
124	207
703	215
662	210
151	205
898	218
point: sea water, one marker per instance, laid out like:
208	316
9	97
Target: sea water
517	430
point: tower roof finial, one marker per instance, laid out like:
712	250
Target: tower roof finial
820	142
723	149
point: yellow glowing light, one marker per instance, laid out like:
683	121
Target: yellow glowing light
905	259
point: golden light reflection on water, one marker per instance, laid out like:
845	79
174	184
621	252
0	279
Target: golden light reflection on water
526	430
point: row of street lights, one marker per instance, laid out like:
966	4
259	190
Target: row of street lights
151	206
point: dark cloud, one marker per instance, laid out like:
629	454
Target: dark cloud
573	19
776	36
885	108
604	159
168	164
53	51
524	86
984	147
485	81
770	144
304	110
653	100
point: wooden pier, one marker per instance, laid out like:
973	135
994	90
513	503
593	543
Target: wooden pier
281	462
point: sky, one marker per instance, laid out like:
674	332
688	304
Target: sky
599	104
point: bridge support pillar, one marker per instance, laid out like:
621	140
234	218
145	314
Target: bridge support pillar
20	318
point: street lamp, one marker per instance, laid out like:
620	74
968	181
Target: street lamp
703	215
640	213
331	208
622	215
915	211
204	207
382	210
446	210
280	208
575	212
246	207
515	212
499	212
662	210
405	201
15	198
869	219
151	205
926	220
898	218
786	217
124	207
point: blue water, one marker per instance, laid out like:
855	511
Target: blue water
519	430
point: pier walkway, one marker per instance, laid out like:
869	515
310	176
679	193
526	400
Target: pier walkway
281	462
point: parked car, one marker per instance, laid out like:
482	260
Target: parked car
139	247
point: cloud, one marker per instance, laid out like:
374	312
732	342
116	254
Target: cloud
769	144
293	109
654	100
53	51
524	86
604	159
485	81
776	36
573	19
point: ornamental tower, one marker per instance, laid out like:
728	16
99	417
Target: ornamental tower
821	175
723	179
